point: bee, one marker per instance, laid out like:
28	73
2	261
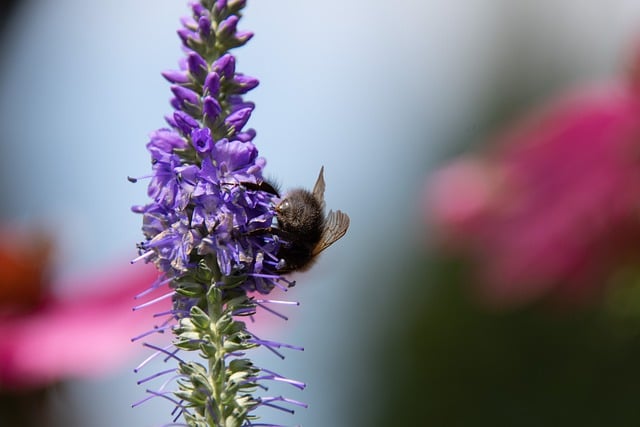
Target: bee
302	224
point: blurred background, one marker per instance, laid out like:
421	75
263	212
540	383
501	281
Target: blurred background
485	151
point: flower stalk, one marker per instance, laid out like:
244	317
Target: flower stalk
208	229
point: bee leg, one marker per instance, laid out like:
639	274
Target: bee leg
265	186
273	231
277	233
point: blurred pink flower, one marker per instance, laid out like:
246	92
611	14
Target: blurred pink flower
46	337
552	208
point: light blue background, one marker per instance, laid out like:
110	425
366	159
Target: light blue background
372	90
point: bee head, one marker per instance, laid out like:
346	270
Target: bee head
299	212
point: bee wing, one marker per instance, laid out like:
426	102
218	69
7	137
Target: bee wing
318	189
335	227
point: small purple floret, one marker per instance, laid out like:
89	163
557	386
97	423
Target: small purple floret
174	76
212	83
202	141
239	118
225	65
197	66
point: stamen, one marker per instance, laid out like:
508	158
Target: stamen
271	405
163	350
136	179
274	301
140	402
265	276
283	399
159	374
153	301
281	287
141	257
155	285
277	377
235	354
267	253
172	353
276	344
148	359
180	412
166	396
156	329
164	384
248	311
164	313
280	315
274	351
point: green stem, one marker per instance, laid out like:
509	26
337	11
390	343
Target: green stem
216	364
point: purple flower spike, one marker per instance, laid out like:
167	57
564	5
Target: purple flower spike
208	228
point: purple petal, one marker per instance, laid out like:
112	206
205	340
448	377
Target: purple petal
184	94
237	103
243	36
202	140
198	9
239	118
225	65
227	28
204	25
182	63
243	83
235	5
188	22
211	108
246	136
236	155
212	83
171	121
219	6
196	65
184	122
175	76
185	35
175	103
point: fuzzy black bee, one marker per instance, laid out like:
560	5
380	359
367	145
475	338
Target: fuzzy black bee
303	225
